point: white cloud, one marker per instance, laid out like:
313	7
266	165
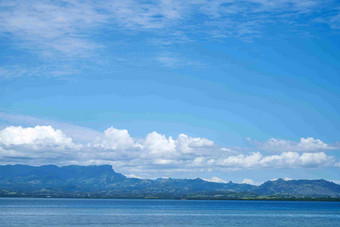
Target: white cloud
35	137
248	181
304	145
186	144
199	161
133	176
36	145
81	134
166	162
239	161
335	181
315	159
6	152
158	145
294	160
216	180
115	139
283	160
285	179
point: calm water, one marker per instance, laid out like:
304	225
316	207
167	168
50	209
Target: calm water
109	212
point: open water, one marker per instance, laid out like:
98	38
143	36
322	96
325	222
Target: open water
116	212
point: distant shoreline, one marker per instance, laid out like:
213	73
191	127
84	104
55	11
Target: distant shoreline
103	182
191	199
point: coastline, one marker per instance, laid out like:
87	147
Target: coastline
180	198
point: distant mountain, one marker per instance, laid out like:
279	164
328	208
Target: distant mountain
30	178
98	179
103	181
299	188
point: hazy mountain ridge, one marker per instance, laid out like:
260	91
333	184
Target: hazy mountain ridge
103	181
313	188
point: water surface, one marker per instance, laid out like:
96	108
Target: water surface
115	212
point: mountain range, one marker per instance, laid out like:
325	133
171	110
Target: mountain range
103	182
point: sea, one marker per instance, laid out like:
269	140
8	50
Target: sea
131	212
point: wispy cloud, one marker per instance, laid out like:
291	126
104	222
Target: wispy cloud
15	71
51	25
65	26
62	32
134	15
334	21
332	18
173	60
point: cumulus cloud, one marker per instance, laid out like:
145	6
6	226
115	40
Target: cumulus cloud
154	145
159	145
80	134
188	144
39	136
36	145
115	139
304	145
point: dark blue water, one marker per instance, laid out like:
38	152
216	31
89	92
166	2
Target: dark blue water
111	212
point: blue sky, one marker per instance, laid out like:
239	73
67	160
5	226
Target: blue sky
229	89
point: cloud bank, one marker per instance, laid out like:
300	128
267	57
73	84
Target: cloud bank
46	145
304	145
